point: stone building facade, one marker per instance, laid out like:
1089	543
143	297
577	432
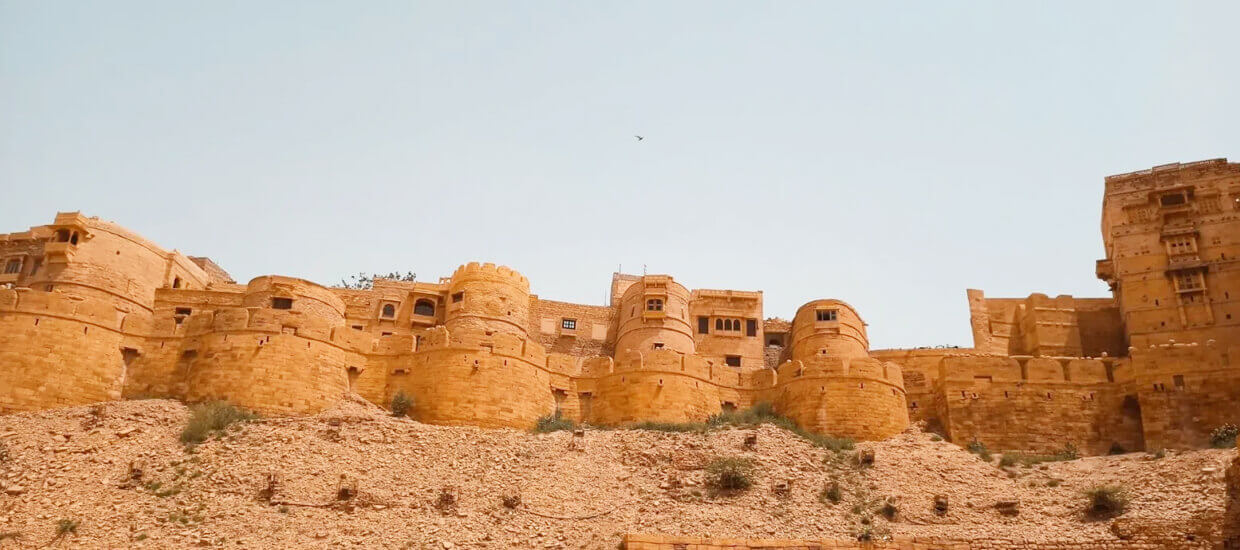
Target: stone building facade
1150	367
94	312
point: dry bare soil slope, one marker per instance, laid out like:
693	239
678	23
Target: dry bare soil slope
116	475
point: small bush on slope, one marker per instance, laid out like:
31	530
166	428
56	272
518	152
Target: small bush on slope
730	474
209	418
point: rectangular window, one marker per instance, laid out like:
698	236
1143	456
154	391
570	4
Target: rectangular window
1179	381
13	266
703	325
357	327
658	345
751	327
732	360
1188	281
183	311
456	298
568	324
826	314
281	303
1172	199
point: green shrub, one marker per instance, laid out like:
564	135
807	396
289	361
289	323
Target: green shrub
1029	460
978	448
211	417
66	527
1106	501
730	474
831	493
553	423
401	403
830	443
764	413
1224	437
1069	452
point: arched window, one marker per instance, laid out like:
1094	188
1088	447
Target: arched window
73	239
718	324
389	311
654	304
176	282
424	307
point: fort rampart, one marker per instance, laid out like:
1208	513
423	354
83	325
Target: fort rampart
90	311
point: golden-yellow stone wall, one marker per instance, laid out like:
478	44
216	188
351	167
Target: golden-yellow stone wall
641	329
58	350
843	337
493	298
663	386
1036	404
855	397
1186	391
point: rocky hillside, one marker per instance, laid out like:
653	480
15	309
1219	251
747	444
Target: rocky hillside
116	475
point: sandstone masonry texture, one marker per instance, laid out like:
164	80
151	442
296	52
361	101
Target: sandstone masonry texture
93	312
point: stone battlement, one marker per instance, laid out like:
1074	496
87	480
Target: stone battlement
90	311
491	272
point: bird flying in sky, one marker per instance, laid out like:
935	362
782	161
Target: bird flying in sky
639	138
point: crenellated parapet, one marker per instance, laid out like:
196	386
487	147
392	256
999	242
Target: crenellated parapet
489	297
856	397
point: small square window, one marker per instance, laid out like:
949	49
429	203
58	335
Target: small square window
732	360
457	297
826	314
282	303
568	324
1172	199
654	304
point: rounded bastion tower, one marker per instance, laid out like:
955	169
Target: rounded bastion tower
828	327
654	314
489	298
273	355
830	384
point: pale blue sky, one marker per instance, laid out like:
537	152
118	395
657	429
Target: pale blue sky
887	154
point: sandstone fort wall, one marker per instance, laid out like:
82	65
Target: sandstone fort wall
94	312
58	350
